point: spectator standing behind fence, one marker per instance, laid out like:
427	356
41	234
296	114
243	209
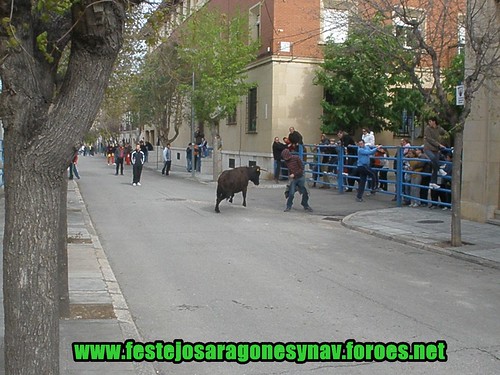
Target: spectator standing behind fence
204	148
382	163
346	141
197	158
278	148
167	160
189	157
443	194
368	137
324	151
297	180
295	138
363	169
424	188
415	169
432	145
333	159
405	144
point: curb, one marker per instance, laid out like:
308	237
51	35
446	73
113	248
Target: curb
419	245
124	317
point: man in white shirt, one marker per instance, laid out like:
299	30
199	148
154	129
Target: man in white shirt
368	137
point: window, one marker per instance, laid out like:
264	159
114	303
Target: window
406	124
252	110
406	23
231	119
254	22
334	21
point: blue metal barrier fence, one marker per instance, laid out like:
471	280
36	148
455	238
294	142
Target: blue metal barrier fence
332	166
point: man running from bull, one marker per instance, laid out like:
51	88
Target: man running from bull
297	180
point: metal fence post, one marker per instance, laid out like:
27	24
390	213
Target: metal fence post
340	169
399	177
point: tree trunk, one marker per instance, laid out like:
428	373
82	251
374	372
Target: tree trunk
31	241
456	190
44	118
217	151
62	251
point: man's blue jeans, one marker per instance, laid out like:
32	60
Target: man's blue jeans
277	169
298	184
434	158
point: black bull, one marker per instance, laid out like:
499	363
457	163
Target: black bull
235	180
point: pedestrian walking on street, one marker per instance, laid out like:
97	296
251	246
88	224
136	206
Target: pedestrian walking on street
167	160
297	180
73	170
119	158
138	158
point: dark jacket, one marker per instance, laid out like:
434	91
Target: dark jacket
120	152
295	138
278	148
138	158
347	141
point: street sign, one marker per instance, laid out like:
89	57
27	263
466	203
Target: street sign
460	98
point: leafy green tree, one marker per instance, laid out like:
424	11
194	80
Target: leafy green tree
216	49
362	90
159	93
118	101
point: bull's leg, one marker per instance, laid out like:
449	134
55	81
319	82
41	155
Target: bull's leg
220	197
217	205
244	192
231	198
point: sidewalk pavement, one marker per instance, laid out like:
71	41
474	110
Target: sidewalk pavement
98	310
100	313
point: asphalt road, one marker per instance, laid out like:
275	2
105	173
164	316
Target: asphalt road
257	274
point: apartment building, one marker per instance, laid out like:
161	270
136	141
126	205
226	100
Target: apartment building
481	154
290	37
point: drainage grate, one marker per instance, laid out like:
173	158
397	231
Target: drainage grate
73	239
333	218
92	311
430	221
